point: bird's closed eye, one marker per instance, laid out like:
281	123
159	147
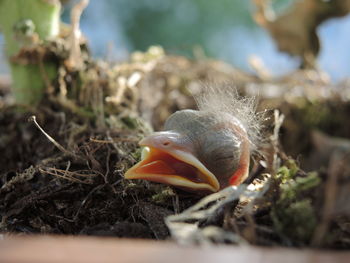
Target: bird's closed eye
166	143
223	158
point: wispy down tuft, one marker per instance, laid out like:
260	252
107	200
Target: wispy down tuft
222	100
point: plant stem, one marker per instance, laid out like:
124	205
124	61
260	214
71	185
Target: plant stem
26	23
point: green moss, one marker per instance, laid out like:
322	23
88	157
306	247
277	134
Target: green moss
288	171
137	154
293	188
296	221
293	214
131	123
163	196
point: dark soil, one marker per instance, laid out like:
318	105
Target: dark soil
47	191
77	187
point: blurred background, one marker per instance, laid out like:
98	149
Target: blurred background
222	29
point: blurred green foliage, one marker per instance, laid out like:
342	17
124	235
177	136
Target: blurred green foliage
179	25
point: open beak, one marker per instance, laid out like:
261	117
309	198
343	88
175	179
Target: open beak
174	167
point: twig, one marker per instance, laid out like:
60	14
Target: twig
107	166
184	227
65	174
99	187
273	160
113	141
52	140
59	146
75	60
335	168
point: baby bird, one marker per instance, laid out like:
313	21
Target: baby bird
203	150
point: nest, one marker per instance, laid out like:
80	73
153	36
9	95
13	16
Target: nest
64	175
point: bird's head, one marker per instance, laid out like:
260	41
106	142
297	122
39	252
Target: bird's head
197	152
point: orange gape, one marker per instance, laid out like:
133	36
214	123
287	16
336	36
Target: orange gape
204	150
162	163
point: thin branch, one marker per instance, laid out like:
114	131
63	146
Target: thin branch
52	140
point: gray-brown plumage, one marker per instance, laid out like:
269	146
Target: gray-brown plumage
203	150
